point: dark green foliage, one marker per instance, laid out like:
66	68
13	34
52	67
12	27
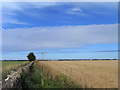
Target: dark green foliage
31	57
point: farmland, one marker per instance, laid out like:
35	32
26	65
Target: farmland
92	74
43	76
68	74
40	76
7	66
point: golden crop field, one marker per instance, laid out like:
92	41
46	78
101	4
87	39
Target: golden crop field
91	74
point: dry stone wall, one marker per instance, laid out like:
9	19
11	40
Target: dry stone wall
14	79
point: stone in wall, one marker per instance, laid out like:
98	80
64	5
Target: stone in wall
14	79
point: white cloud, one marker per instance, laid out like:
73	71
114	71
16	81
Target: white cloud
42	4
75	11
36	38
9	10
60	1
12	21
8	13
10	6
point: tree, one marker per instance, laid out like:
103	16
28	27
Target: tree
31	57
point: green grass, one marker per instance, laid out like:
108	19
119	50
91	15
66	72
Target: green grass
11	63
41	78
7	66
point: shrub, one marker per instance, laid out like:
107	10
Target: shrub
31	57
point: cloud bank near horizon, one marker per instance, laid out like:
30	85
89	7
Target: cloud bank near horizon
63	29
58	37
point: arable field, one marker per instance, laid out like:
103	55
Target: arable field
90	74
43	76
6	65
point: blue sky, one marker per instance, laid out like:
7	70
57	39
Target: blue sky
63	30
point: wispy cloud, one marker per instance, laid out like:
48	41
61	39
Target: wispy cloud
80	51
9	13
11	6
22	5
60	1
42	4
107	51
12	21
74	11
58	37
10	10
35	14
77	11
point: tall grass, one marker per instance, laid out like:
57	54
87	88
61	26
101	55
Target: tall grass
42	76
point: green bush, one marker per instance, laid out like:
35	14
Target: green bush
31	57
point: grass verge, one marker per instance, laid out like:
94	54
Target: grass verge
41	76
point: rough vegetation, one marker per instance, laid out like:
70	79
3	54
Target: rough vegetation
43	76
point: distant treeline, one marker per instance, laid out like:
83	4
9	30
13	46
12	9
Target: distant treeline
82	59
62	60
13	60
75	59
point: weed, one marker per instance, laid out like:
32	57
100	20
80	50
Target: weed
41	77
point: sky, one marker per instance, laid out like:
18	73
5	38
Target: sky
63	30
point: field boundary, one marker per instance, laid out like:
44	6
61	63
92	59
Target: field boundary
13	80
